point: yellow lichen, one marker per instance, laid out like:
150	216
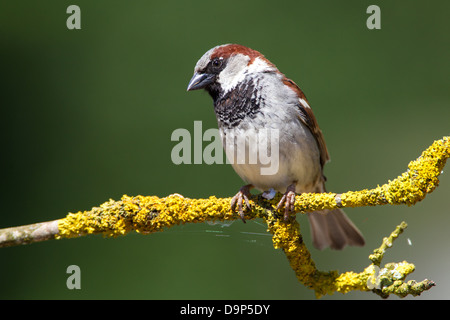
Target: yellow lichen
152	214
350	281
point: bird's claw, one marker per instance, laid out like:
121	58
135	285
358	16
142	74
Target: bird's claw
288	200
239	198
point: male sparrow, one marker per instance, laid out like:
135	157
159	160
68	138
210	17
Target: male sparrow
250	97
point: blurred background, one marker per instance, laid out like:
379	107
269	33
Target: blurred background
87	115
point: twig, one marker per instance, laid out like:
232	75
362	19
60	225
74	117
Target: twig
29	233
153	214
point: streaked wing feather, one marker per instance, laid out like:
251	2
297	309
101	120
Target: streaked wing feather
306	115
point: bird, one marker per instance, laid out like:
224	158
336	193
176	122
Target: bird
251	96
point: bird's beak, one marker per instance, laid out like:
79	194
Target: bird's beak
199	81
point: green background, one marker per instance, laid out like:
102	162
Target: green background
87	115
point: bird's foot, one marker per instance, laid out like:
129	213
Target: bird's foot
288	200
238	200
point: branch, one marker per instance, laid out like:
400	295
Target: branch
148	214
29	233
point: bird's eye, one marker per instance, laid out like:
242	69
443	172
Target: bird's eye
217	63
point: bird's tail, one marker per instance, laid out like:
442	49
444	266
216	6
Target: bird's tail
332	228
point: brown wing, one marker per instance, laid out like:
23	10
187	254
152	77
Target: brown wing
306	115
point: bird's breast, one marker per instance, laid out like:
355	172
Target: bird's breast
272	150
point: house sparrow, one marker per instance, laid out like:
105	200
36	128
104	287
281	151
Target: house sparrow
251	95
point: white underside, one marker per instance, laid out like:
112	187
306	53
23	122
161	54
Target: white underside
297	159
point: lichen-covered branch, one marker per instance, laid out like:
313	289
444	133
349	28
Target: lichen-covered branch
148	214
384	282
390	279
378	254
